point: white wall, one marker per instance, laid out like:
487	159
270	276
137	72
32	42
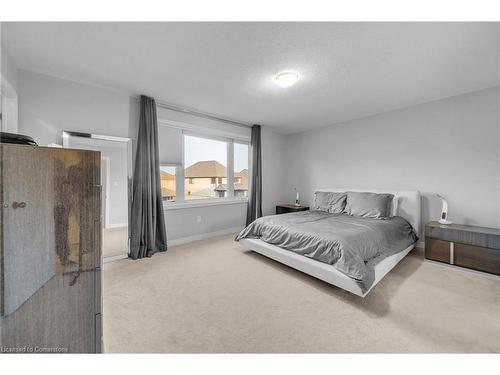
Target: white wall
8	88
274	171
8	67
450	147
49	105
183	223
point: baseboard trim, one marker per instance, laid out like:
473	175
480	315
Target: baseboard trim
420	245
181	241
114	257
203	236
117	225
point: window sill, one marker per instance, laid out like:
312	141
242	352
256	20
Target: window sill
204	203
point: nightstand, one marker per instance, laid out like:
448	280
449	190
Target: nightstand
477	248
286	208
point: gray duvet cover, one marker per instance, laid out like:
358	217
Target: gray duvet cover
353	245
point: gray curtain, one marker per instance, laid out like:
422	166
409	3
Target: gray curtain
255	194
147	223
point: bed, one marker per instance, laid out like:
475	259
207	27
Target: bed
407	215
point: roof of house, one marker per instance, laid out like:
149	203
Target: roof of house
242	173
207	168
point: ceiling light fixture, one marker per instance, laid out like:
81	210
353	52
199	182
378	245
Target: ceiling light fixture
286	79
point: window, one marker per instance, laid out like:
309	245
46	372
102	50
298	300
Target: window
240	170
199	169
167	182
205	162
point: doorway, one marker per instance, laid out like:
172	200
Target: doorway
116	188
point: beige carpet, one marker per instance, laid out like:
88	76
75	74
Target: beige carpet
214	296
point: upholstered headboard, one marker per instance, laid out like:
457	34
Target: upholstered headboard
408	202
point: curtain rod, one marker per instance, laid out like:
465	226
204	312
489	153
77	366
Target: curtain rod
193	112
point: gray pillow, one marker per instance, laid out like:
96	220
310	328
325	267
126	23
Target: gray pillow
372	205
330	202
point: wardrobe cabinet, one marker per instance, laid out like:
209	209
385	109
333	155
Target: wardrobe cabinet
50	250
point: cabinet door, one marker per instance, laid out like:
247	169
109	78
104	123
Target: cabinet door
477	258
437	250
47	249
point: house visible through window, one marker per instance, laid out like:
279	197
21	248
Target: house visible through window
205	163
240	170
167	182
196	166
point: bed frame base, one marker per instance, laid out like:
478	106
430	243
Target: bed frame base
321	270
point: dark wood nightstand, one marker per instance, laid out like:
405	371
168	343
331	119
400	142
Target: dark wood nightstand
477	248
286	208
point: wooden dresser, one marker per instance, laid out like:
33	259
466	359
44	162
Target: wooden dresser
476	248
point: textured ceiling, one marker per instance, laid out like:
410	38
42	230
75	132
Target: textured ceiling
348	70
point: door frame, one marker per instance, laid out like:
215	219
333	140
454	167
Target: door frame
106	161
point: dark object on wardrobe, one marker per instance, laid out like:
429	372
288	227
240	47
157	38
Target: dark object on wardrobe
50	250
18	139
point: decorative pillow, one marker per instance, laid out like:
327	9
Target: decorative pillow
330	202
337	203
321	199
372	205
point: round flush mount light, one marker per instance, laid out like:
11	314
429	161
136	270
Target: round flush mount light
286	79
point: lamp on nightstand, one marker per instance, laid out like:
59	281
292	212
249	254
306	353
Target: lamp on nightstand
444	212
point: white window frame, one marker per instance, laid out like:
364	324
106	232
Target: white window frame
180	201
177	166
248	166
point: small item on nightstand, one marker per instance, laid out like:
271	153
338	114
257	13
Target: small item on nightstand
297	198
444	212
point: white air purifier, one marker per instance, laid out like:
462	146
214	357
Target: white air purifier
444	212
